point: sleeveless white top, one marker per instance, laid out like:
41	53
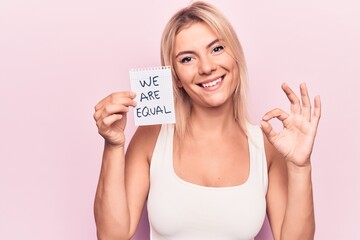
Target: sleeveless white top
180	210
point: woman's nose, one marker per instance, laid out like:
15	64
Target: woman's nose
206	65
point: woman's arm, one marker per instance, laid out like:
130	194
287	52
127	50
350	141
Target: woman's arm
124	185
112	215
124	178
290	198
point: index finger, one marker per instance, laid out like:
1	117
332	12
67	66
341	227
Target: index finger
113	97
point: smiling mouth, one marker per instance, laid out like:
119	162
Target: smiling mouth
212	83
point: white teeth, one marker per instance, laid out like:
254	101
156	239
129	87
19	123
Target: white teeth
210	84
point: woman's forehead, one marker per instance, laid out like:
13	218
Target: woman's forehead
195	35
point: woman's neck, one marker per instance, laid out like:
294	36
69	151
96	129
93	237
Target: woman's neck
213	119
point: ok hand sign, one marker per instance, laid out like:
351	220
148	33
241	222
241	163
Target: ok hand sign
295	141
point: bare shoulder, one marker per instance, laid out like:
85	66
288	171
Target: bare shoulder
144	140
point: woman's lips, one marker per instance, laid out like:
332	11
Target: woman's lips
211	83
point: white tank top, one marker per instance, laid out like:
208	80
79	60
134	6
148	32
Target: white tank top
180	210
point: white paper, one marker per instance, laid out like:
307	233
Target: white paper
154	95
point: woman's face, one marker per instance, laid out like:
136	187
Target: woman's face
205	67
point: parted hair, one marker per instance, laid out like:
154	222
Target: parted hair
208	14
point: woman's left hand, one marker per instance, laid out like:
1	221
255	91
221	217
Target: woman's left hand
295	141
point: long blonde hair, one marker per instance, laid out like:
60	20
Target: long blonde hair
206	13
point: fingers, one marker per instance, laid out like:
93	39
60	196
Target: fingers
317	112
268	130
112	108
266	126
117	97
276	113
306	104
105	123
305	107
294	100
297	108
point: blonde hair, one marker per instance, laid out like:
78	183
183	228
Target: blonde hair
206	13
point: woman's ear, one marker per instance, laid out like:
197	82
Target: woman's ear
178	83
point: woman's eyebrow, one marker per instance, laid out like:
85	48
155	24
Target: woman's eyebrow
207	46
184	52
213	42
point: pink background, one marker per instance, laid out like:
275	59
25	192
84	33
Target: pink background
59	58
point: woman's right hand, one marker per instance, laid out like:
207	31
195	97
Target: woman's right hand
110	116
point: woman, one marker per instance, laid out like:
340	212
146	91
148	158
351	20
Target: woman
212	175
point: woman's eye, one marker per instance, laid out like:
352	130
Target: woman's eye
218	49
185	59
